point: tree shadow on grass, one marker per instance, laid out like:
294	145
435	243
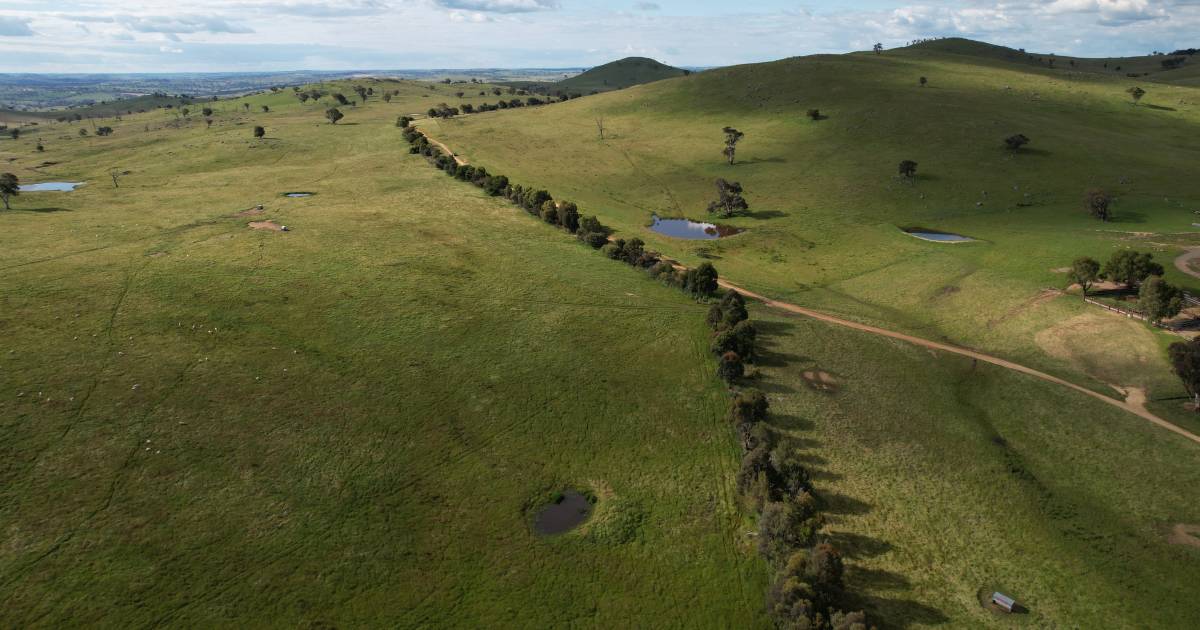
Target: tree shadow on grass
837	503
1032	151
1161	108
899	613
770	160
1128	217
768	358
789	422
853	545
42	210
763	215
773	327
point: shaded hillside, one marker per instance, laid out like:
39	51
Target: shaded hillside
620	74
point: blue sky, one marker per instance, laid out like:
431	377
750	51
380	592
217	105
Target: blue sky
251	35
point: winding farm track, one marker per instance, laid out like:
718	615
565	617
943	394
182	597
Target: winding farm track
1133	404
1182	262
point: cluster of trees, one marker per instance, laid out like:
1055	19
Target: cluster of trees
808	590
1173	63
445	111
1157	299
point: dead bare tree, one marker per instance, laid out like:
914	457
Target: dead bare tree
600	127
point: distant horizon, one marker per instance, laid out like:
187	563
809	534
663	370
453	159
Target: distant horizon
236	36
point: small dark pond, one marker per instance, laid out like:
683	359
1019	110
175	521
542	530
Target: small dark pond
50	187
939	237
691	230
298	194
569	510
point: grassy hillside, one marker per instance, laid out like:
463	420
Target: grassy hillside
618	75
119	107
947	480
351	423
1149	66
827	207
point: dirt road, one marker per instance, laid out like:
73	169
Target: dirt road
1134	404
1182	262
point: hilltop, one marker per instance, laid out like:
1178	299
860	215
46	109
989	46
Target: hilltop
620	74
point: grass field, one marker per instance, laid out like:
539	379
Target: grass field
349	423
826	205
946	478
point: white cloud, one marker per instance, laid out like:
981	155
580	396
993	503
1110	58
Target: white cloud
179	24
1112	12
475	17
500	6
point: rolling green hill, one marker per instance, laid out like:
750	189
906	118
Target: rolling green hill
826	204
824	230
1148	66
618	75
350	423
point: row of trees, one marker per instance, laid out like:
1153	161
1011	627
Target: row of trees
1157	299
700	281
809	586
808	590
445	111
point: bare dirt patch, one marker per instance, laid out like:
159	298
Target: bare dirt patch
1061	270
266	225
821	381
1184	534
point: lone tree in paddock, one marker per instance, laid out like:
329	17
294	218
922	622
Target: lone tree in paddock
1136	93
814	114
729	199
387	97
1097	202
1014	143
1084	272
1130	268
732	137
878	49
266	109
908	170
1185	362
207	111
10	186
334	115
259	132
924	81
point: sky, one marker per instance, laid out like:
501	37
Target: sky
264	35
